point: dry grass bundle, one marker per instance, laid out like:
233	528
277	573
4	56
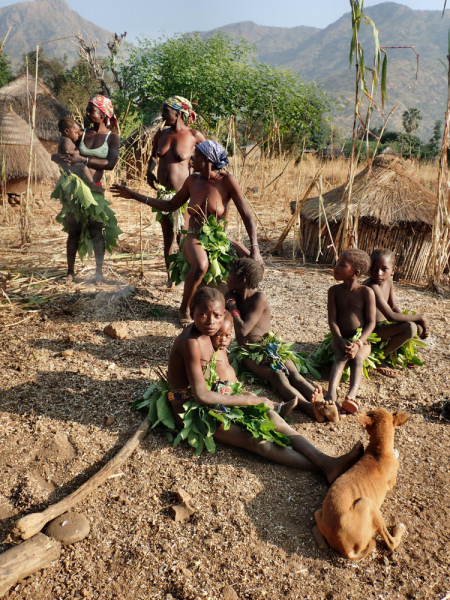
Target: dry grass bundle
19	93
15	150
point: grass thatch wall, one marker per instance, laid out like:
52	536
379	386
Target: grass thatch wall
48	110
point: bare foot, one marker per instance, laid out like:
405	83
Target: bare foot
337	466
329	410
98	277
286	407
69	278
316	402
350	405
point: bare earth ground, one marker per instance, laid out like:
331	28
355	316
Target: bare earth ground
253	526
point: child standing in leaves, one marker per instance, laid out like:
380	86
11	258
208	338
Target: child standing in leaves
350	306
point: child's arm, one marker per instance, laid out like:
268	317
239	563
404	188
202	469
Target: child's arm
244	210
180	198
243	327
65	145
370	314
332	320
192	360
391	311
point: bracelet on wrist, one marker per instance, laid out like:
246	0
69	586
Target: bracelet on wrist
230	300
235	313
87	160
255	244
359	343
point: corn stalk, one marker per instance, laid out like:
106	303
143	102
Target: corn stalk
440	237
347	236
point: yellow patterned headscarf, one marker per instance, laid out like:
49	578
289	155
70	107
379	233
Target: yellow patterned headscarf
183	105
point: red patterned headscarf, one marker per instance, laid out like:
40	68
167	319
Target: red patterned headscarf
105	106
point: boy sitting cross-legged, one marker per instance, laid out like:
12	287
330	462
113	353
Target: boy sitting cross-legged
350	306
403	327
251	315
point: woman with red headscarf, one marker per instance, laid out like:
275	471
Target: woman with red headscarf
98	149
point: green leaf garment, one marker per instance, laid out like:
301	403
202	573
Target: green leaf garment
213	239
84	204
399	358
201	421
271	351
176	217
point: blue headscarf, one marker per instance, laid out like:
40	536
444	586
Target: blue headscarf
214	152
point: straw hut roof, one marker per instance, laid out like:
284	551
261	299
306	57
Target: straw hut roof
48	110
15	150
388	195
389	152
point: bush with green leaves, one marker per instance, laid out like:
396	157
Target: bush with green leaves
219	77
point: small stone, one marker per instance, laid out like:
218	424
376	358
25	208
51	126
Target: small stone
186	572
67	353
109	420
69	528
84	593
386	561
145	372
228	593
183	496
118	331
182	511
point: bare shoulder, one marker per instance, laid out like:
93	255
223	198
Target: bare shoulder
198	136
368	282
334	289
367	292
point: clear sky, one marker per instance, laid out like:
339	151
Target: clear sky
151	18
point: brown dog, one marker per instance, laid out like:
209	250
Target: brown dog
350	515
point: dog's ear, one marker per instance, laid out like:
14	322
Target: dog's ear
365	421
400	418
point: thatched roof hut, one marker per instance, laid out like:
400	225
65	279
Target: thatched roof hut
48	110
15	152
330	152
388	151
396	212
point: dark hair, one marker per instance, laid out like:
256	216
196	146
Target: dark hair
66	123
206	294
250	269
379	252
358	258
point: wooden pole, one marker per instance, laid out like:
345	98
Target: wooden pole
25	559
31	524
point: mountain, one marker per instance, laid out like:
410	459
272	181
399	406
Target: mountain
36	22
322	56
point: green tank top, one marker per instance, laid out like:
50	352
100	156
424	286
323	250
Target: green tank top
101	152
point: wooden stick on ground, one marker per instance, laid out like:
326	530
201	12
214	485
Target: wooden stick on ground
31	524
25	559
294	217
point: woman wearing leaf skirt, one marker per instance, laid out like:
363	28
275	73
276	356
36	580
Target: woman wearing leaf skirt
209	192
98	149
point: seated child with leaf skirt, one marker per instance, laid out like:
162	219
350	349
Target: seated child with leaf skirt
186	402
397	330
261	352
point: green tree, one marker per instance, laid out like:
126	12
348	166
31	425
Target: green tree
220	79
411	120
6	74
434	144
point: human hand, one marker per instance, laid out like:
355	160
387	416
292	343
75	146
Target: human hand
120	191
265	401
74	157
425	326
351	350
230	297
151	180
256	255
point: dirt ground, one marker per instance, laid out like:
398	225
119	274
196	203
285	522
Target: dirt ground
252	530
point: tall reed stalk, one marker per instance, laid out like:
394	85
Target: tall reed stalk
440	247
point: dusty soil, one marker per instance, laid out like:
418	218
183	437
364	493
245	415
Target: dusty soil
252	530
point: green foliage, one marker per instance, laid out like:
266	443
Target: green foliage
258	353
411	120
213	238
221	81
6	74
84	204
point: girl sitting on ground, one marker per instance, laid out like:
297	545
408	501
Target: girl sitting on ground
188	365
401	327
